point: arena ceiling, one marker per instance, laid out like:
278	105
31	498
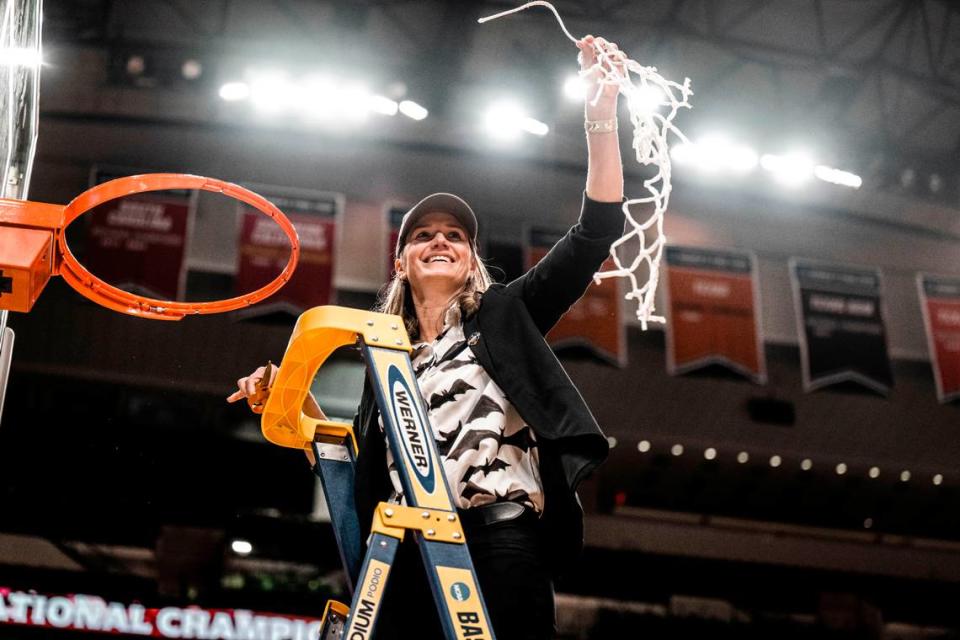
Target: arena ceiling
863	80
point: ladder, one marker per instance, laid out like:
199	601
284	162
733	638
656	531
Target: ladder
429	514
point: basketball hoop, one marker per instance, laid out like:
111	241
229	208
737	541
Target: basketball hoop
41	222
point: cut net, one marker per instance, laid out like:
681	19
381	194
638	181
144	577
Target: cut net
641	247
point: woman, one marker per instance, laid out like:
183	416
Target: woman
515	436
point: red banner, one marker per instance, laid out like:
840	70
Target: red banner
940	300
595	320
713	312
264	249
138	243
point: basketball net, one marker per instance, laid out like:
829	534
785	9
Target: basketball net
641	247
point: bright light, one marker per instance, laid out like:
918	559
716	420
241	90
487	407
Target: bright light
273	92
643	446
611	441
806	464
938	479
677	449
683	153
234	91
905	476
646	98
715	153
790	170
320	96
743	457
874	472
836	176
413	110
383	106
710	453
20	57
191	69
575	89
775	461
353	102
841	469
534	126
241	547
504	121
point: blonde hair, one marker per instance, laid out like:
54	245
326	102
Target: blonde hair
395	297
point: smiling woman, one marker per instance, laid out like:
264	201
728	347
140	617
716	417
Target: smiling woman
436	262
514	435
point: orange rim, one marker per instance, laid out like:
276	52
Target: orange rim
92	287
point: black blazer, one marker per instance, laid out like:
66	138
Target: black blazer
509	327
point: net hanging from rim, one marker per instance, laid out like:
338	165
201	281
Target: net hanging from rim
651	131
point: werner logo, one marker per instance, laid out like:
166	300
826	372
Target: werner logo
412	425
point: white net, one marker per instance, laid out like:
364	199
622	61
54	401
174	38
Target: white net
636	255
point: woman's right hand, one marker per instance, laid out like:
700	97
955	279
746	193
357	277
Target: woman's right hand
255	388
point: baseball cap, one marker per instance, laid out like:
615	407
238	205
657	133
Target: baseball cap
445	202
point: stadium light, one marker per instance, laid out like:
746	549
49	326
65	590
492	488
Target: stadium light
837	176
272	92
506	121
241	547
234	91
790	170
413	110
382	105
574	88
715	154
534	126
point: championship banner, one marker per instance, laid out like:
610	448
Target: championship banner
940	301
840	318
394	214
139	243
714	311
596	320
81	612
264	249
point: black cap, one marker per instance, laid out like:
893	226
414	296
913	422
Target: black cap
445	202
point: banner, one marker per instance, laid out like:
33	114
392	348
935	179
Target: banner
264	249
940	301
81	612
713	311
596	320
139	243
840	319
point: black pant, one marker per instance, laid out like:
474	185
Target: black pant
513	576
